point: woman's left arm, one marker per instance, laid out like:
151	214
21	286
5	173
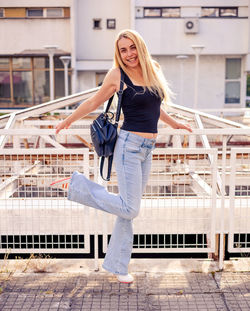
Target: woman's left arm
174	124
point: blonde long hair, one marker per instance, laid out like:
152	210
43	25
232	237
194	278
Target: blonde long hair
151	70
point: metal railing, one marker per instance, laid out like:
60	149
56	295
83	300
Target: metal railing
182	210
198	190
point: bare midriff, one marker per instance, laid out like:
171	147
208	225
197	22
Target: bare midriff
146	135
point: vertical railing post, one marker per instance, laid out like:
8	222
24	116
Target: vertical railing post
232	180
222	209
214	201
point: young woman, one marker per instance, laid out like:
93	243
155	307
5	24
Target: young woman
144	90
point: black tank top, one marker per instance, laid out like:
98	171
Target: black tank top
141	108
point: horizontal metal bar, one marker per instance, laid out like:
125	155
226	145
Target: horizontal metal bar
168	131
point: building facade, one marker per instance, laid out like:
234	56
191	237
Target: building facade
204	50
26	28
220	29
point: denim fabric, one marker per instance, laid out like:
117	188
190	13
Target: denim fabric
132	160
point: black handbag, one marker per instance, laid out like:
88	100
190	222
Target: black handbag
103	132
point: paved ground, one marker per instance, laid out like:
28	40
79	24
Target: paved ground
149	292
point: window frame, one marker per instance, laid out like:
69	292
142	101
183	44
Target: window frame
110	20
97	20
2	10
220	8
23	12
238	80
47	9
161	8
10	69
33	9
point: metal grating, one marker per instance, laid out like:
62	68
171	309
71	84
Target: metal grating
42	242
169	241
239	190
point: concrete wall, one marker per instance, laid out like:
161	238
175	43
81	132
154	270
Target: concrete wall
211	86
86	80
37	3
191	3
94	44
211	90
218	35
17	35
221	37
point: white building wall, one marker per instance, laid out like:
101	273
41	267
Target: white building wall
19	34
86	80
221	38
95	44
219	35
33	34
191	3
94	48
211	86
37	3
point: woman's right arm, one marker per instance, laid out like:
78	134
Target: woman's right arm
109	87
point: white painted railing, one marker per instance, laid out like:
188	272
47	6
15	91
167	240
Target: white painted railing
193	195
198	190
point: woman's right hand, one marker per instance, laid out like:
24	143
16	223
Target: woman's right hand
65	124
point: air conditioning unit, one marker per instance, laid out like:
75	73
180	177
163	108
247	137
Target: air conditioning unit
139	12
191	25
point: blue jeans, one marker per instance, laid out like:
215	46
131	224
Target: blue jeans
132	159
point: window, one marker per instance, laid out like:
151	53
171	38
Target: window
4	63
5	97
230	12
25	81
41	86
210	12
111	23
152	12
233	76
54	12
97	23
22	87
21	63
39	12
248	91
171	12
162	12
34	12
219	12
100	77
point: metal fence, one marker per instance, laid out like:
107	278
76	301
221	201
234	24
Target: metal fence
194	196
239	196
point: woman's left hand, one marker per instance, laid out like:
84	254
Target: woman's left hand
183	126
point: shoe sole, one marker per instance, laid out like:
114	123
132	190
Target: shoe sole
129	282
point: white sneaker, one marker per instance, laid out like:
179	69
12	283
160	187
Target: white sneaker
128	278
61	184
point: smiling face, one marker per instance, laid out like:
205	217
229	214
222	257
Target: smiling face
128	52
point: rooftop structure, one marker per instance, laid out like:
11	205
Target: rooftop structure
198	189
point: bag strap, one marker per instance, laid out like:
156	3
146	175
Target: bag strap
118	110
110	160
117	117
